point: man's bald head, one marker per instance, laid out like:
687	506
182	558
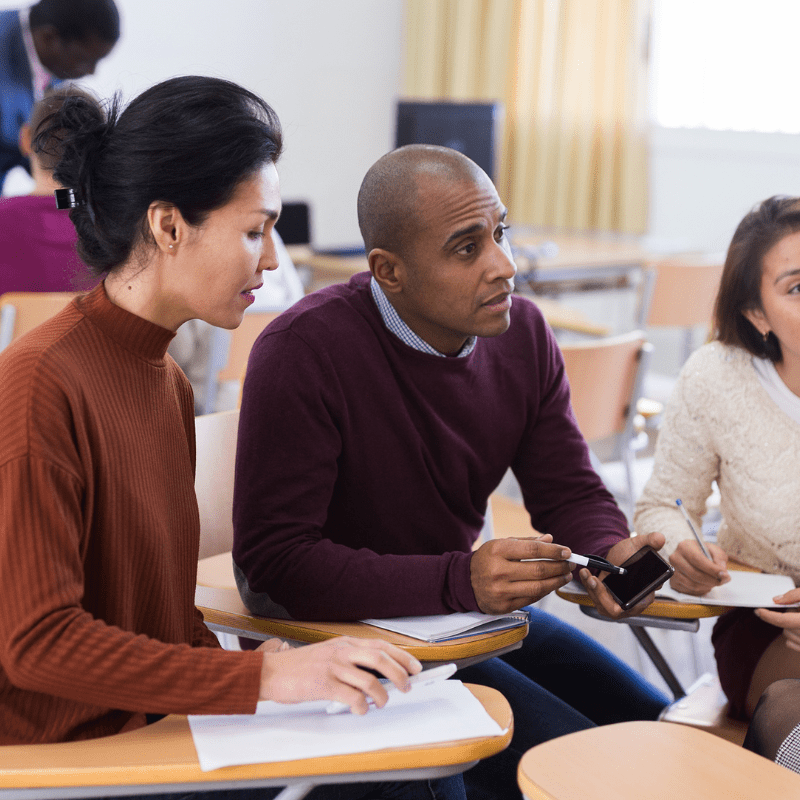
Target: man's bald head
387	200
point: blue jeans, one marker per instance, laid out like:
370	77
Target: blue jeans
451	788
560	681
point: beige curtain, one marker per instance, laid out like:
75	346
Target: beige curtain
571	75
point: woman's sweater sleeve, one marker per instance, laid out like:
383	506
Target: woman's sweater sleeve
50	644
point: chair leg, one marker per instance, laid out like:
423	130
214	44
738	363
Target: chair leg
664	669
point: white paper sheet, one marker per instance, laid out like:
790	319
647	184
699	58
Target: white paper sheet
440	712
744	590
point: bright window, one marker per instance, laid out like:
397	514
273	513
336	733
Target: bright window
726	64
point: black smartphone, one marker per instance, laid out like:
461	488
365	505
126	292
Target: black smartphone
646	571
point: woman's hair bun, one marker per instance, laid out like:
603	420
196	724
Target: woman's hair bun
73	136
187	141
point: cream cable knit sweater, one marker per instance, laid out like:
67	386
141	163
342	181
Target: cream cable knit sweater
720	424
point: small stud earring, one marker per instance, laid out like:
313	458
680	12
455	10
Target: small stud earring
171	246
765	336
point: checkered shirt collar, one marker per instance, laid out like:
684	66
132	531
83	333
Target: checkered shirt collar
391	319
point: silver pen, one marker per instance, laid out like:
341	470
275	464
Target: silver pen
692	529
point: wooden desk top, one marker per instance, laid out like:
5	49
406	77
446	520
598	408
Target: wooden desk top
583	249
650	761
658	608
342	268
164	753
220	604
574	250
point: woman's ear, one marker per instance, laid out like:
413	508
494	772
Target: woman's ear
757	319
167	226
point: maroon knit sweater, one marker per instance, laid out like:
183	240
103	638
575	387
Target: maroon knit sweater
99	534
364	466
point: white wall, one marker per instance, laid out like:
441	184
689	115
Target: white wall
332	72
703	182
330	69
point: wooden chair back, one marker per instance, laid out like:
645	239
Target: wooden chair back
21	312
684	293
605	378
229	351
242	340
216	456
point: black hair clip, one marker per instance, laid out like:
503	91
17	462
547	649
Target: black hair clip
67	198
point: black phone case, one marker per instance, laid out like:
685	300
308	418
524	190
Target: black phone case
669	570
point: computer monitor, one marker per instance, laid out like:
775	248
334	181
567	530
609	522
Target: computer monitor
294	224
470	128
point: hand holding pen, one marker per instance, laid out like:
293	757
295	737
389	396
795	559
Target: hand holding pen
503	582
699	565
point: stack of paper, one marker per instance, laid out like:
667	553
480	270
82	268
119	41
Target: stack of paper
439	712
442	627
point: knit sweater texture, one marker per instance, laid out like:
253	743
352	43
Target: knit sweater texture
99	535
364	466
721	425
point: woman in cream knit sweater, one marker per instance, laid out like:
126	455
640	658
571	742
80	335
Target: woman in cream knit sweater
734	418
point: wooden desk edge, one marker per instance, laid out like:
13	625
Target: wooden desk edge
658	608
164	753
224	608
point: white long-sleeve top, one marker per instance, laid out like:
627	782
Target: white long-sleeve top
721	425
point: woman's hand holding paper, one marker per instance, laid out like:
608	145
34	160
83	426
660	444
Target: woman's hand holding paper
789	620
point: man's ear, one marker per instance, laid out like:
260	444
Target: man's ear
388	269
757	319
167	226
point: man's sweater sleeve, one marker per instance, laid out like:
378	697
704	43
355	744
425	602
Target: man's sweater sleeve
286	468
562	492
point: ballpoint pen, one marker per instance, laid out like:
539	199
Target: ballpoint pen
595	562
423	678
693	530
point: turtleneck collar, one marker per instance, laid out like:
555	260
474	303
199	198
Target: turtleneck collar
144	339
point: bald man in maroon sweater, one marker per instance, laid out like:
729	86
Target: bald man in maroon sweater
377	418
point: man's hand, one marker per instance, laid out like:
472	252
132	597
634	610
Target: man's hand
789	620
694	573
336	670
620	552
503	580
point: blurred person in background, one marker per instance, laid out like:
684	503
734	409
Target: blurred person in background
37	241
49	42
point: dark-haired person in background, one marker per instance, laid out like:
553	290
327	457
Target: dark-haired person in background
51	41
734	418
37	240
99	528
